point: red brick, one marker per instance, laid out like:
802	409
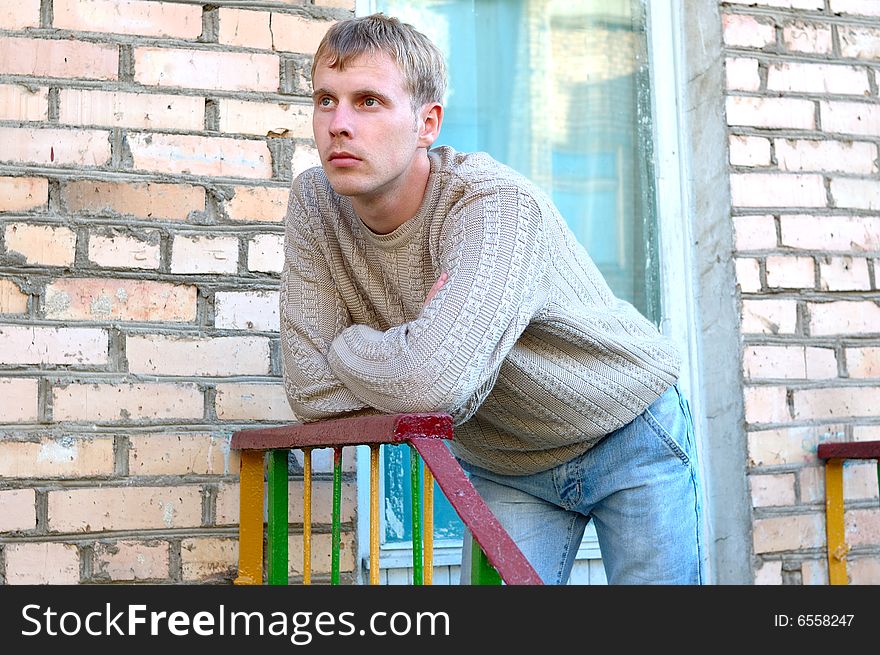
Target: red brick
198	155
21	103
248	29
203	69
197	356
131	560
263	204
19	509
23	193
141	200
22	344
99	299
124	508
74	457
129	17
49	146
137	110
58	58
296	34
248	117
108	402
19	400
41	245
12	300
41	563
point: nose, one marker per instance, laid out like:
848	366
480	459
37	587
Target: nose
341	123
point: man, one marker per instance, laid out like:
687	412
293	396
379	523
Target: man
421	280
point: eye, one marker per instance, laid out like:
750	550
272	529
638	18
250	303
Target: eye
325	101
371	102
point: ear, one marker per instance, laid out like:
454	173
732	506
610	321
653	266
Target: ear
430	117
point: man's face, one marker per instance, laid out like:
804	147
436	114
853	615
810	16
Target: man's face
367	134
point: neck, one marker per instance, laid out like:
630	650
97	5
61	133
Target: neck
387	209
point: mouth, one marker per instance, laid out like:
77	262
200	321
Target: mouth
342	159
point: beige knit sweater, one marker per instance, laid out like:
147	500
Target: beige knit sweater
525	345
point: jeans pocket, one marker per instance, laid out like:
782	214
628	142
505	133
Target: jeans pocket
666	419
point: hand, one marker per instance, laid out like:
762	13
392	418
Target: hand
437	286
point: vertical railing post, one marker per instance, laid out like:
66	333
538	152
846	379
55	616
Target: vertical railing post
834	525
416	492
277	519
429	526
337	513
374	514
250	525
307	516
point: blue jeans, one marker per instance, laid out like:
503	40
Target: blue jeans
640	486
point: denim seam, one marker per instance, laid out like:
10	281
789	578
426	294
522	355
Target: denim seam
658	429
568	546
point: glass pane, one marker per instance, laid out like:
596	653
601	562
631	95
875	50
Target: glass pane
557	89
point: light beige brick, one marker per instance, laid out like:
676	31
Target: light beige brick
770	362
115	249
321	553
769	316
831	233
772	490
248	29
843	317
127	402
771	112
748	275
866	433
41	563
12	300
199	155
743	31
19	400
23	193
196	254
815	155
862	527
129	17
75	457
19	15
304	157
850	117
741	74
263	204
322	502
766	405
800	36
42	245
769	573
857	7
789	4
112	300
836	402
814	572
859	42
749	150
856	193
141	200
124	508
817	78
266	253
754	232
863	362
864	570
53	147
131	560
844	274
790	445
23	103
19	509
203	69
21	344
294	33
247	310
790	272
812	484
206	558
137	110
197	356
777	190
789	533
859	480
58	58
261	118
256	402
821	363
188	453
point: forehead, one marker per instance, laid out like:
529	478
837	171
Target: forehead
377	70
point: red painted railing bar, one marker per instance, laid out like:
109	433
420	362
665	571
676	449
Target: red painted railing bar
849	450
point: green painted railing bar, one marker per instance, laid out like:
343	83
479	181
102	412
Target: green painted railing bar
277	519
337	513
482	572
416	486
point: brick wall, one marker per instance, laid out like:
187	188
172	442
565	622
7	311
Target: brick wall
147	148
804	123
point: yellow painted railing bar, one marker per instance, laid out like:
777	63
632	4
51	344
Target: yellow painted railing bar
834	526
374	514
429	526
250	526
307	516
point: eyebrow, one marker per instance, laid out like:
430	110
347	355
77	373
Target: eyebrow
359	92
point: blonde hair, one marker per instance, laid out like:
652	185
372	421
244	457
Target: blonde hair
420	61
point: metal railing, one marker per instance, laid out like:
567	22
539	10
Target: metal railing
264	456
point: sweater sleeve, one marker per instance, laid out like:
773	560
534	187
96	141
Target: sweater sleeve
447	359
312	313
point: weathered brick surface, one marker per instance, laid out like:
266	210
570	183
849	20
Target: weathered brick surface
254	402
58	58
20	404
21	15
65	457
190	453
41	563
139	200
203	69
23	193
129	17
136	110
44	245
127	402
19	510
12	300
204	254
21	344
100	299
55	147
200	356
132	561
247	310
20	103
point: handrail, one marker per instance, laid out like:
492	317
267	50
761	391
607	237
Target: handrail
424	432
834	455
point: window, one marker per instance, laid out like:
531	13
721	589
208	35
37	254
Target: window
558	90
